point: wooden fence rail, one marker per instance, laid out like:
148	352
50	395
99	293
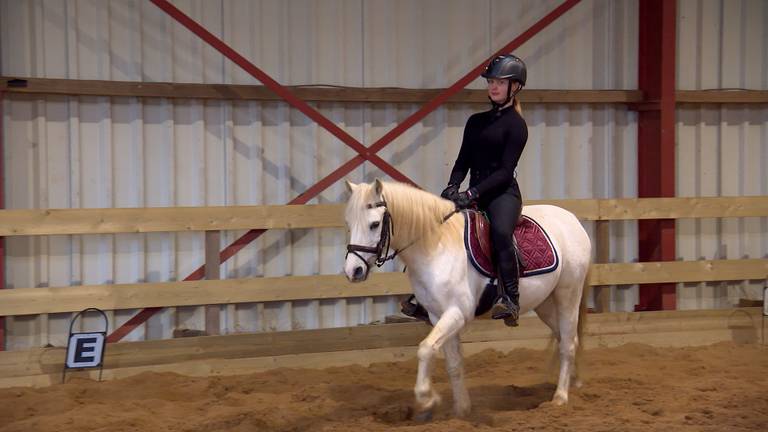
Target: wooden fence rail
50	86
33	301
168	219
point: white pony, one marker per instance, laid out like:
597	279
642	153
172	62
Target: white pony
411	221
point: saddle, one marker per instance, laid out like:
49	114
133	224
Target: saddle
535	251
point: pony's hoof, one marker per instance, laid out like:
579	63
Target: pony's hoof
424	409
462	412
423	416
559	400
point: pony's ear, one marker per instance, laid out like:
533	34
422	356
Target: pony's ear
377	187
350	186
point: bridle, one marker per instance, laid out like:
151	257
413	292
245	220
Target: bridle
382	247
381	250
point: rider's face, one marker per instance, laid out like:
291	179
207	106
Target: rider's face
497	89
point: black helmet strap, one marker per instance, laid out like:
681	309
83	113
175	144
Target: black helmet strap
497	106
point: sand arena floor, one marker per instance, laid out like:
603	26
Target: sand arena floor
722	387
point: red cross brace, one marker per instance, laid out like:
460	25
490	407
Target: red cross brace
364	153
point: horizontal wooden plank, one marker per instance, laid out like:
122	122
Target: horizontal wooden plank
722	96
573	96
25	301
164	219
245	353
587	209
168	219
47	86
678	271
319	93
679	208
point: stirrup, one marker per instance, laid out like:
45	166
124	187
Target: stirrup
507	310
511	322
413	309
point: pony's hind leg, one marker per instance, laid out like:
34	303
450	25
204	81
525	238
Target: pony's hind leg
547	312
446	328
454	365
567	302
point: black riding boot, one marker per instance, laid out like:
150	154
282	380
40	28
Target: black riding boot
507	306
413	309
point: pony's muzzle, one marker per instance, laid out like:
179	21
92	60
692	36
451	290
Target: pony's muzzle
359	273
356	270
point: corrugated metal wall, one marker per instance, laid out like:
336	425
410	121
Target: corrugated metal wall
72	152
722	151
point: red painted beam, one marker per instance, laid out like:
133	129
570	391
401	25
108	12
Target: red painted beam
471	75
348	166
2	206
240	243
281	91
656	140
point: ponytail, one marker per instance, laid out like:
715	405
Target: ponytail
518	107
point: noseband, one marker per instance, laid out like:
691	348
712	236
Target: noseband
382	247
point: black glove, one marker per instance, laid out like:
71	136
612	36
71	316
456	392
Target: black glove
466	199
451	192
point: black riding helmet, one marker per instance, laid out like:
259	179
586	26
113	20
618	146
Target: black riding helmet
509	67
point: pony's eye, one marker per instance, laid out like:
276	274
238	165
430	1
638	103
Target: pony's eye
375	225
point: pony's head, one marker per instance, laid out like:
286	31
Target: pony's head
368	222
408	217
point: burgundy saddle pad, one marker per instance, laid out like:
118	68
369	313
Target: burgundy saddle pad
535	251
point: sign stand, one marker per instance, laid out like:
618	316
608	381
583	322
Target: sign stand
85	350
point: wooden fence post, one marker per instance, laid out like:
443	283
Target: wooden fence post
602	256
212	272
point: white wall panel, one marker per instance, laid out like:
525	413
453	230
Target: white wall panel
127	152
722	150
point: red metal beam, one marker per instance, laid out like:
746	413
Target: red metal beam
348	166
281	91
2	206
656	140
471	75
363	152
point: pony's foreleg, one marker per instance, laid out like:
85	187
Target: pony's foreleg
446	327
454	365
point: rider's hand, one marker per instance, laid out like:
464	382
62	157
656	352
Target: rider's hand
466	199
451	192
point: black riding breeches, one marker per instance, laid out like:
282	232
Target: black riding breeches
503	214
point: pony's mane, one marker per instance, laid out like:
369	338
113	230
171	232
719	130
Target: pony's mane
418	215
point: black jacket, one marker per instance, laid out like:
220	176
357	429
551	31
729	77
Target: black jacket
492	145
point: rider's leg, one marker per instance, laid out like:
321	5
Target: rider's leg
503	213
